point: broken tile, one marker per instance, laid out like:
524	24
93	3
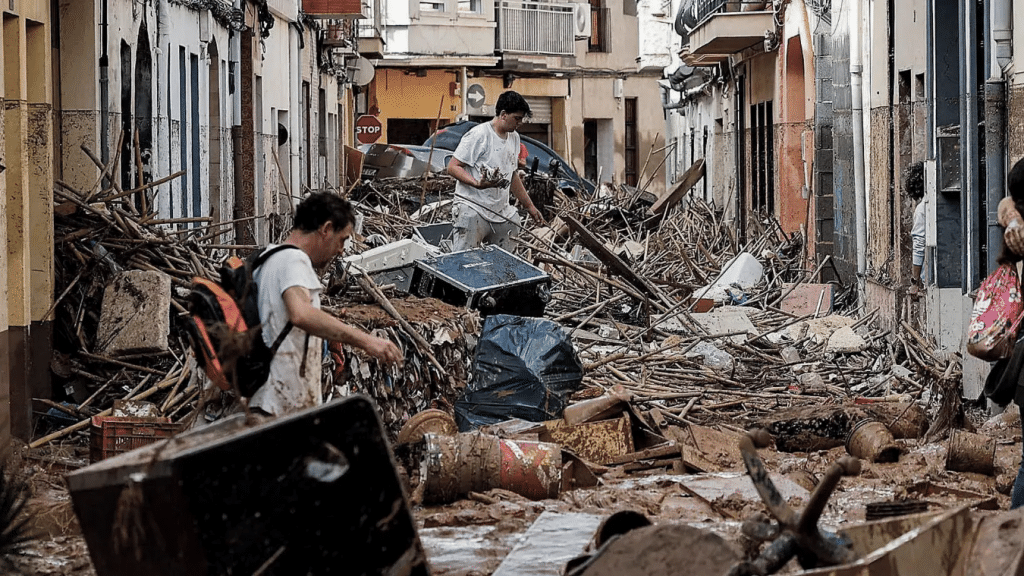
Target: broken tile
805	298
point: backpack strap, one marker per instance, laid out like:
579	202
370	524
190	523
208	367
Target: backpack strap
270	252
256	264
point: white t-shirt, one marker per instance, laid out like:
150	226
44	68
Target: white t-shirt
286	389
482	147
917	234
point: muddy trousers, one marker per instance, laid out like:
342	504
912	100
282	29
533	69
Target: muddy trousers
471	230
1017	496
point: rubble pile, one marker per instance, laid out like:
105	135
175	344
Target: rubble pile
417	385
111	246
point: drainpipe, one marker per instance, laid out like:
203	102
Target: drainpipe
104	89
162	145
1001	12
999	39
235	57
295	136
856	88
929	89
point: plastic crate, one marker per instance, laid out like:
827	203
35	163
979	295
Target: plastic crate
113	435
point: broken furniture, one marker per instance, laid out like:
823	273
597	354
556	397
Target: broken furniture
314	492
792	534
487	279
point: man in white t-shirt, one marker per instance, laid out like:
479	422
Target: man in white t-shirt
484	165
289	290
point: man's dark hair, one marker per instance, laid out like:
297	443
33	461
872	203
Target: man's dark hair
320	207
512	102
913	180
1015	182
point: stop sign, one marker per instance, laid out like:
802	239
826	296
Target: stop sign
367	129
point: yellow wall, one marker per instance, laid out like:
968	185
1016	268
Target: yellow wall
26	211
399	95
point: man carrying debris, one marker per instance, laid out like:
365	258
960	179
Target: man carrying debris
289	290
484	164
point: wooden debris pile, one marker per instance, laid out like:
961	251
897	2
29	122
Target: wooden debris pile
447	335
627	293
98	234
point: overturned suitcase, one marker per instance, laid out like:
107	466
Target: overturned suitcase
487	279
315	492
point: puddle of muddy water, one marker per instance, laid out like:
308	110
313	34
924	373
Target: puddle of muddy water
554	539
466	550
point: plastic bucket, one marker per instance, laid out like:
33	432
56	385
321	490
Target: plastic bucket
454	466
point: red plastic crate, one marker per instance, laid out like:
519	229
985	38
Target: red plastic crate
113	435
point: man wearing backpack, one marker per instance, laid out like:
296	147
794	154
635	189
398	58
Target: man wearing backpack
289	291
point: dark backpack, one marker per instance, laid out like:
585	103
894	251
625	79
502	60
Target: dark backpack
225	330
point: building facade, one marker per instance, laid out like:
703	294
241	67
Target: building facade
26	209
813	110
238	107
579	65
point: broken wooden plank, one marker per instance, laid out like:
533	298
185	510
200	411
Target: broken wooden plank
692	175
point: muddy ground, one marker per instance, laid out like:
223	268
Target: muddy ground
472	537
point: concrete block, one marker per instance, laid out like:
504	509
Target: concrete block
845	341
743	272
713	356
728	319
811	383
805	298
820	329
136	313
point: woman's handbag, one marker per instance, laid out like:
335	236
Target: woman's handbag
996	315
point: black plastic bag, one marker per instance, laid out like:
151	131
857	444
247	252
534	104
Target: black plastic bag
523	368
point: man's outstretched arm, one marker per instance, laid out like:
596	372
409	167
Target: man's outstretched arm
319	323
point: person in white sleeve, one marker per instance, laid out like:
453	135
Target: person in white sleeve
289	291
485	167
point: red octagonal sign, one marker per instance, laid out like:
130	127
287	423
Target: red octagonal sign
368	129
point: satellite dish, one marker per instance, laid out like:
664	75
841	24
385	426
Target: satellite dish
362	71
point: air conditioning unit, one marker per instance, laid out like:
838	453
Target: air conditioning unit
581	20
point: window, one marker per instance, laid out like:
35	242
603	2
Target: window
762	146
598	27
427	6
632	152
471	6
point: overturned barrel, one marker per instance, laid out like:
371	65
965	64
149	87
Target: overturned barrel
454	466
970	452
872	441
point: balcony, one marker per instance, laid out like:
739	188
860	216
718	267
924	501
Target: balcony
726	27
370	42
536	28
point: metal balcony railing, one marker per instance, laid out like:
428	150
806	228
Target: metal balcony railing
707	8
536	28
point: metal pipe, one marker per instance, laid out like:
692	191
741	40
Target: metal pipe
1001	19
104	88
998	39
295	136
857	90
969	180
162	146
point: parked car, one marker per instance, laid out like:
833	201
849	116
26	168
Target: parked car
448	138
393	160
